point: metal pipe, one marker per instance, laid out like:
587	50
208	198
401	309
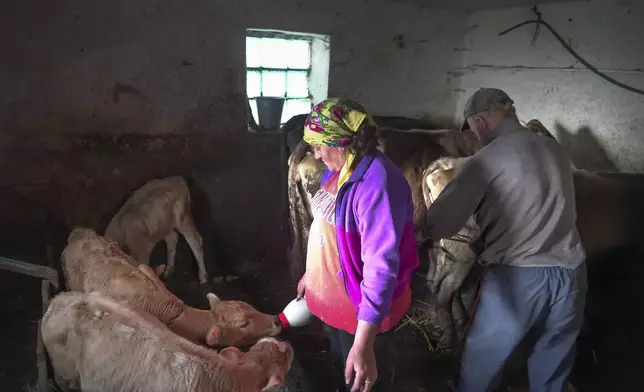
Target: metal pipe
35	270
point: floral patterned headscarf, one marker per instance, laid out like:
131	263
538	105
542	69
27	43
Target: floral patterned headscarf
333	123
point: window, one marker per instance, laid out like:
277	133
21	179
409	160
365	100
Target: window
285	64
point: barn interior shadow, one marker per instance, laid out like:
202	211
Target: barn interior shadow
214	258
585	150
28	227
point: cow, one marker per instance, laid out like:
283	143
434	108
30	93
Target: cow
596	195
461	249
98	344
412	150
456	256
91	262
537	127
609	212
158	210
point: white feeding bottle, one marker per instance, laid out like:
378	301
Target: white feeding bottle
295	314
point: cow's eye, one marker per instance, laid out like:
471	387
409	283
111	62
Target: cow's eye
244	324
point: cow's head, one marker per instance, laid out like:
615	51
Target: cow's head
236	323
273	357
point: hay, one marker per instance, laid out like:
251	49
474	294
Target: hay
423	319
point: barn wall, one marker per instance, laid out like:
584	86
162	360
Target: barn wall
600	123
99	97
391	57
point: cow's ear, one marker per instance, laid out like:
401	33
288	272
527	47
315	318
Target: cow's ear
212	299
274	384
232	353
213	337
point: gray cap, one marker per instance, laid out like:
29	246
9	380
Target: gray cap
481	101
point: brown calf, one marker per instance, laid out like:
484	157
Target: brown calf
92	262
155	212
97	344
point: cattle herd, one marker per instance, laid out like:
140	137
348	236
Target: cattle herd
117	327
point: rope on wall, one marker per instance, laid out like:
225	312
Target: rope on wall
563	42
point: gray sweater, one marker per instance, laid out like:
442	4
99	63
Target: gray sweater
519	187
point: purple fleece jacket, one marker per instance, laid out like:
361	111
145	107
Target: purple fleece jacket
375	235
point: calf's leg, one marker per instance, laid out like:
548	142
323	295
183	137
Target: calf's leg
171	249
189	231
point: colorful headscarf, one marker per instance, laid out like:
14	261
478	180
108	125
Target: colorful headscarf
333	123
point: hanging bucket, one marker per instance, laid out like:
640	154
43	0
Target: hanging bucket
269	111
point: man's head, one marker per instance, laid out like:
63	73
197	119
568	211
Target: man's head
486	109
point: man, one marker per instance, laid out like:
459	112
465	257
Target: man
519	187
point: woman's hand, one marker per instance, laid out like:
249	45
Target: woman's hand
301	287
361	360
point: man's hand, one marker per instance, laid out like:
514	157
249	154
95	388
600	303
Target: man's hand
361	361
301	287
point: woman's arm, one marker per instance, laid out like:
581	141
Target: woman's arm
383	208
361	362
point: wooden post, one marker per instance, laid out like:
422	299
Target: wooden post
41	353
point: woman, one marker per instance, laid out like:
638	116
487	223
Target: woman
361	250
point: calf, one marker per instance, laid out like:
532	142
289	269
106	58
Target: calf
453	257
97	344
91	262
155	212
609	214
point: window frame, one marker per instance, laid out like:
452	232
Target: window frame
289	36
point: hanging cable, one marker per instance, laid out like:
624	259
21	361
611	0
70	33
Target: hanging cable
563	42
537	28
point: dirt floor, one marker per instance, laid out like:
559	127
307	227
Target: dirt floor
417	367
